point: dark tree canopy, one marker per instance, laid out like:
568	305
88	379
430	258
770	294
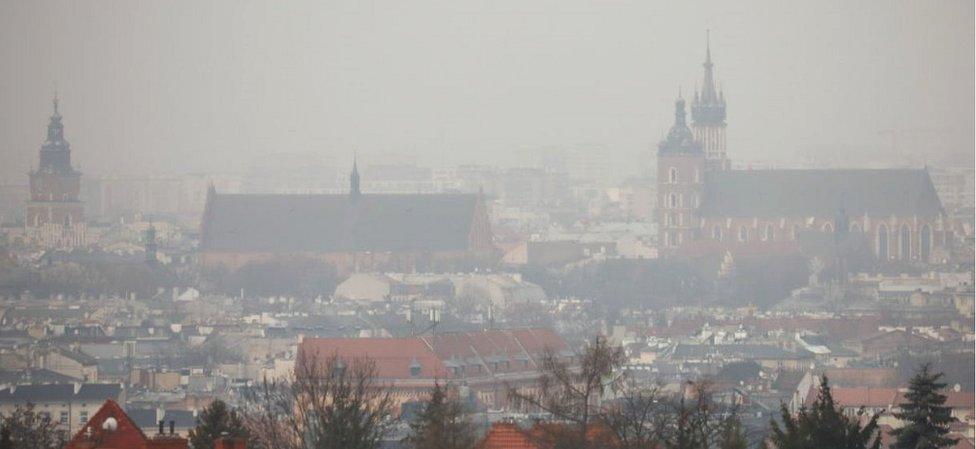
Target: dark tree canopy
822	425
443	423
216	421
926	417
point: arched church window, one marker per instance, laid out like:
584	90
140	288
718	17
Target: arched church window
673	175
743	234
883	242
827	227
925	243
905	242
673	201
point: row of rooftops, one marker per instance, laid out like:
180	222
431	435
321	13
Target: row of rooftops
486	352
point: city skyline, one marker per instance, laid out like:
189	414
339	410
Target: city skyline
878	84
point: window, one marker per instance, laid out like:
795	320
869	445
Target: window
905	243
743	234
673	201
83	417
796	232
63	418
673	175
925	243
768	233
827	227
671	238
717	233
883	242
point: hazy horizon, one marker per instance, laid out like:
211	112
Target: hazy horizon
187	87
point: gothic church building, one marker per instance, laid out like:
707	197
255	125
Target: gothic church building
352	232
703	202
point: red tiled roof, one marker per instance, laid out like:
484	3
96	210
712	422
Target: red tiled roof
125	435
503	435
960	399
863	377
860	397
393	356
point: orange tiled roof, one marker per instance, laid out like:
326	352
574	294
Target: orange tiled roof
394	356
125	434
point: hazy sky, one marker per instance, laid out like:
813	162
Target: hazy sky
180	86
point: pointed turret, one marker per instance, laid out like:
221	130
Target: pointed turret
708	115
679	138
354	192
709	107
55	152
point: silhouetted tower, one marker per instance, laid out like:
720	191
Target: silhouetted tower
708	117
680	167
150	238
55	215
354	192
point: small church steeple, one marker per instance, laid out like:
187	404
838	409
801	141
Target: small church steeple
354	192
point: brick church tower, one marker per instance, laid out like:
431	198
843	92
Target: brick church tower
708	117
680	172
55	216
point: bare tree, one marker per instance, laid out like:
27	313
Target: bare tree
328	403
28	429
639	418
571	392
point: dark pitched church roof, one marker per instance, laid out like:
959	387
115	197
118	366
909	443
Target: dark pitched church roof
820	193
337	223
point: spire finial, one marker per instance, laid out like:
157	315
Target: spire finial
354	178
708	45
56	100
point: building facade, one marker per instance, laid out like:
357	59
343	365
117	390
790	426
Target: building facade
701	199
55	215
353	232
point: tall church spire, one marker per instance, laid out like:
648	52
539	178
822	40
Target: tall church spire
708	114
708	107
709	94
354	180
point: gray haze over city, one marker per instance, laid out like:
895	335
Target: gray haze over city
487	224
175	87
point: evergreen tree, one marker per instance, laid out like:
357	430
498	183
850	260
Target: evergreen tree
5	440
927	418
442	424
824	425
214	422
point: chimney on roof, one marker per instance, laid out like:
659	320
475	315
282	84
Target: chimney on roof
172	427
162	426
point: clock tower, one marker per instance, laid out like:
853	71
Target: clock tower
55	216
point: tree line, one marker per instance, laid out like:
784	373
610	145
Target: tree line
332	403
